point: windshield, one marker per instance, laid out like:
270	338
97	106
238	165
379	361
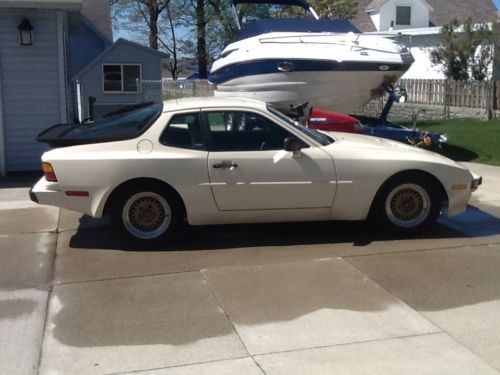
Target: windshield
316	136
118	126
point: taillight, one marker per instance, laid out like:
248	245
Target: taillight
50	175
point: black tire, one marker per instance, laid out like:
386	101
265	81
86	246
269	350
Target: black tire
407	205
148	215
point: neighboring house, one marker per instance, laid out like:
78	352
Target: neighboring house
37	86
422	42
440	12
397	14
110	80
419	22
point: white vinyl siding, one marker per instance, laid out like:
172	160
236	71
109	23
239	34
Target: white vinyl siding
30	85
401	14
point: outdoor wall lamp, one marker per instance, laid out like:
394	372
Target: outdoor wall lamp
25	32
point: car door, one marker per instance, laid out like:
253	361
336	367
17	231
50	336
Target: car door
250	170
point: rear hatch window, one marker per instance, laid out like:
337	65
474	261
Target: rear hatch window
117	126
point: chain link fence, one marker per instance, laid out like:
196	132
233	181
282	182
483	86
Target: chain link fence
160	90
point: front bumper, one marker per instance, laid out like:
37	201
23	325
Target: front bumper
459	198
476	182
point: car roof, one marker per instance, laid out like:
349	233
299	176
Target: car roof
211	102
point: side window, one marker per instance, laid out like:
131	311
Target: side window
119	78
244	131
403	15
183	131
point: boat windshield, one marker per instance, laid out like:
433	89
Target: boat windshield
271	25
316	136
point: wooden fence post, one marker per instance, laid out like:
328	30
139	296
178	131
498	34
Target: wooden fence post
446	113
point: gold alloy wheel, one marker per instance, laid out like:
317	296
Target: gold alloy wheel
146	215
408	205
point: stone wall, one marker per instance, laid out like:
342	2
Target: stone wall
404	111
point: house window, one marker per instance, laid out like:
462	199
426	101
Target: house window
120	78
403	15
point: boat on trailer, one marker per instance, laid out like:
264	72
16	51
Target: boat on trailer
328	63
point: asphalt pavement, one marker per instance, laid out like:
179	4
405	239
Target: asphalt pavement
319	298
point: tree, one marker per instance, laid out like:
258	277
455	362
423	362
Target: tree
333	9
212	28
466	49
201	32
145	17
338	9
207	22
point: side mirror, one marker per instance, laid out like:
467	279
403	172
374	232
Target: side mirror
292	144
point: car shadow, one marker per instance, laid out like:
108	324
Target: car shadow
454	152
473	223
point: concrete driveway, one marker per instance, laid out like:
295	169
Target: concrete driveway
319	298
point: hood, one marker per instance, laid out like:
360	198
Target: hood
383	148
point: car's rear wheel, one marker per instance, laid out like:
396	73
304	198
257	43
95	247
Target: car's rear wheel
407	205
148	215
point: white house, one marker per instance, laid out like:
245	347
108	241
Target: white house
419	23
399	14
422	42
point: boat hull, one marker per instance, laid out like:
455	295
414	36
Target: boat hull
338	91
336	71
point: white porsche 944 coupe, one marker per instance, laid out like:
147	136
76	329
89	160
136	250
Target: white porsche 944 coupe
228	160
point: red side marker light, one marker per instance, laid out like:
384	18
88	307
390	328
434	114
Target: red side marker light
77	193
50	175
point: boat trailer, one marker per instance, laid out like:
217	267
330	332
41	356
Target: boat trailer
382	127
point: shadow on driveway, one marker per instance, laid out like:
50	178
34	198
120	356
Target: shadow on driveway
473	223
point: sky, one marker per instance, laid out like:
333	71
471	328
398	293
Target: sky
497	3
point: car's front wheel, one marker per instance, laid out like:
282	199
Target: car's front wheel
147	215
407	205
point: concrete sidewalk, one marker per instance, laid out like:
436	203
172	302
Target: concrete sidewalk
316	298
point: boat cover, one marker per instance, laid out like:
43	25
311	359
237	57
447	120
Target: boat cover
295	25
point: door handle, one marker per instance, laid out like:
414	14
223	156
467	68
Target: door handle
226	164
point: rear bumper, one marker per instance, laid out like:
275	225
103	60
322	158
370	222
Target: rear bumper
51	194
33	196
44	192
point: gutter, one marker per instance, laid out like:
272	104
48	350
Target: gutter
2	137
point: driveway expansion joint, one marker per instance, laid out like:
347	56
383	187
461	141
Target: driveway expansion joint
176	366
49	294
221	306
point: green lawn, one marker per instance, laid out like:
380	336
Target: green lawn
468	139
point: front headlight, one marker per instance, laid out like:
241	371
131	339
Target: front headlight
443	138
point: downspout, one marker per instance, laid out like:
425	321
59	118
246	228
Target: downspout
2	133
61	57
